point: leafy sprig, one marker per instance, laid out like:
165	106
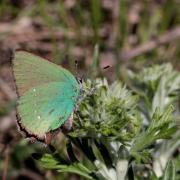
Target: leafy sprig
118	129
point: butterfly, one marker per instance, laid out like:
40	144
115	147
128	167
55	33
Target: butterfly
47	95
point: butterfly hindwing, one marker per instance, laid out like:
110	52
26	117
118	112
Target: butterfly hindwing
47	94
47	107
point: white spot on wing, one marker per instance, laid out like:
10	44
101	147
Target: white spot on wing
34	90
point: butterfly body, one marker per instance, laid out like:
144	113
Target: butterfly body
48	94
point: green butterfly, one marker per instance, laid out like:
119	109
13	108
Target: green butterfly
47	95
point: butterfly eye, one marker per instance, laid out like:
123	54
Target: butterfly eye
82	91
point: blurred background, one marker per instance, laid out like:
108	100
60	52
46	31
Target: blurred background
128	34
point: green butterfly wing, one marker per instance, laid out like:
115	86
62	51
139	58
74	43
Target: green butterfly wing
48	94
31	71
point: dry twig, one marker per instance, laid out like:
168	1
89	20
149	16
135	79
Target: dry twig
152	44
6	89
6	164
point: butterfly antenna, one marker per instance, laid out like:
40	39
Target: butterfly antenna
76	67
79	79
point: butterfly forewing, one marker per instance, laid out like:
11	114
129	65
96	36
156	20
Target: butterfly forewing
31	71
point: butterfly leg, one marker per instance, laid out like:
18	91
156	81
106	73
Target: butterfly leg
32	139
68	124
48	138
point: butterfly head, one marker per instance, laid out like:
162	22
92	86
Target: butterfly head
80	82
